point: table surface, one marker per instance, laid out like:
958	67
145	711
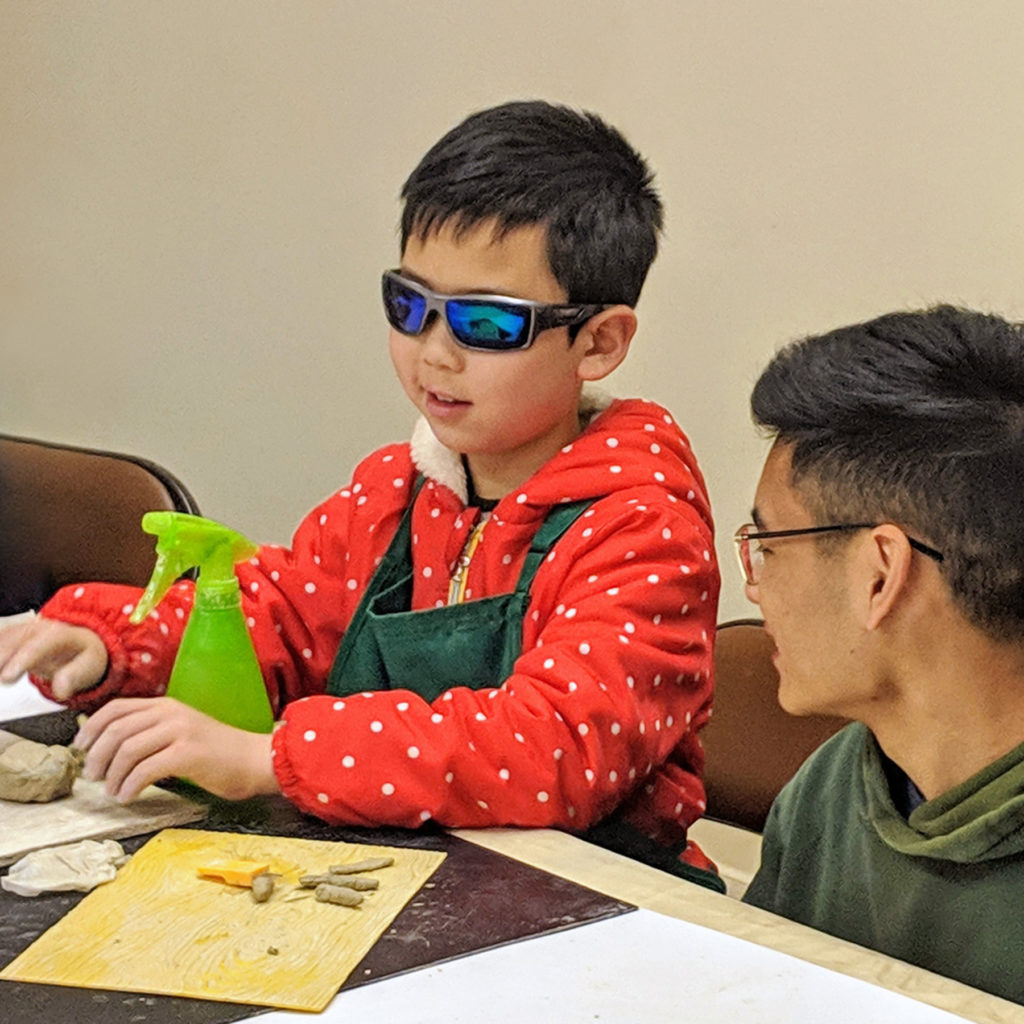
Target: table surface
655	891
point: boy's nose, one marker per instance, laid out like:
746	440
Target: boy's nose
439	348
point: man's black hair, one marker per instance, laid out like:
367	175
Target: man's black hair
531	162
916	418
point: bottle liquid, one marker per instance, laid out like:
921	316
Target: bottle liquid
216	670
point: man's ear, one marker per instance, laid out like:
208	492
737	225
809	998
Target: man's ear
884	563
604	341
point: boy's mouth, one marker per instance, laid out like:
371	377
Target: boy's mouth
440	403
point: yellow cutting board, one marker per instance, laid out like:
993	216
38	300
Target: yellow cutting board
159	928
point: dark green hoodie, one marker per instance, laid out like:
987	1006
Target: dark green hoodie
939	889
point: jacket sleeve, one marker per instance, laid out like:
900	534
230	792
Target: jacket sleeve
297	600
615	673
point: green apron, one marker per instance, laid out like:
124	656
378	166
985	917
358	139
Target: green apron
389	647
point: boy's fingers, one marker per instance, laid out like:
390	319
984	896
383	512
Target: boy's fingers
85	669
11	641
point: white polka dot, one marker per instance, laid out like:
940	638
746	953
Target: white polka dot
322	797
655	449
402	705
703	595
678	809
480	716
427	571
588	532
630	555
521	499
482	804
165	629
323	519
447	695
629	627
434	513
387	789
614	469
613	776
612	442
519	737
254	586
436	718
630	682
589	774
558	753
376	726
542	797
572	686
660	477
504	774
307	653
309	735
592	579
653	578
657	679
584	648
643	728
424	815
361	500
351	584
656	620
345	494
448	777
506	559
616	728
668	721
275	575
79	591
685	570
250	622
338	705
549	662
583	728
357	488
413	752
129	608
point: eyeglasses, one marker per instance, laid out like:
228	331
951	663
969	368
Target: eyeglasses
751	556
492	323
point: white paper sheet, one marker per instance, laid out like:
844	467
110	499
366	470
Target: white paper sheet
641	966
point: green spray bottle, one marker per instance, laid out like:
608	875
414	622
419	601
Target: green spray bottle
216	670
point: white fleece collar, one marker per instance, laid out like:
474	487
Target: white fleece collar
436	462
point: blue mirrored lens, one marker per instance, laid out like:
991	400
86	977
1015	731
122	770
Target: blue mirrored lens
486	324
405	309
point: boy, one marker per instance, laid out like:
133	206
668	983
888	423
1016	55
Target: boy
486	675
888	561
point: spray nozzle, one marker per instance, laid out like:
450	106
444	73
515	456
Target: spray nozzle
186	542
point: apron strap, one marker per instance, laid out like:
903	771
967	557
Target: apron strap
557	523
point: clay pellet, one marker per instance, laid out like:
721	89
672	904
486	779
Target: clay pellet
262	887
370	864
342	895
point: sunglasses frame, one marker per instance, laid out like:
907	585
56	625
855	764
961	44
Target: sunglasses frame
541	315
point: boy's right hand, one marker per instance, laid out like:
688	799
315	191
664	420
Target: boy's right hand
73	658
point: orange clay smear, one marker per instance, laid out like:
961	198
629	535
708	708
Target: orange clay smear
234	872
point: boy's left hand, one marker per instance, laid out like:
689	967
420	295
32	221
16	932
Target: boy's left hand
134	742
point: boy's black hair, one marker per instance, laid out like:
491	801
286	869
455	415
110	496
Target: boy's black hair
530	162
916	418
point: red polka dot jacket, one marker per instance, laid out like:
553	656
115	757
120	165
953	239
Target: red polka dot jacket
604	703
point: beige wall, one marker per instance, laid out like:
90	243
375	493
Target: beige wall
197	196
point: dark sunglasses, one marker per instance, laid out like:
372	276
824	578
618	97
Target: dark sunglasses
493	323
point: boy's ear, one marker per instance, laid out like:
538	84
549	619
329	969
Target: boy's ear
604	341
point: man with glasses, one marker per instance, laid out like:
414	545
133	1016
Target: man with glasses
887	558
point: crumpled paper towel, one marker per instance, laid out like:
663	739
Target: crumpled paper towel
77	867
